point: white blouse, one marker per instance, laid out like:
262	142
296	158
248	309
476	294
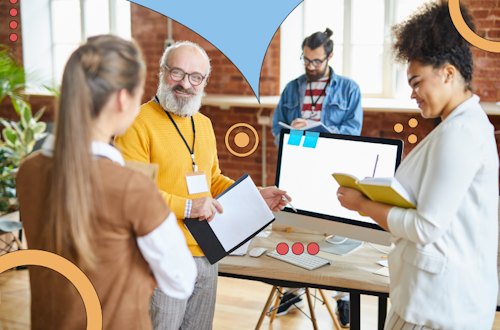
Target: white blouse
443	268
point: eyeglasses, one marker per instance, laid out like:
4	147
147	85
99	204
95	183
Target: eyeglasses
178	75
314	62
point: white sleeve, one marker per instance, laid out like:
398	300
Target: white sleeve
453	159
167	254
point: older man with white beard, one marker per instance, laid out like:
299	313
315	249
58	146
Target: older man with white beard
170	131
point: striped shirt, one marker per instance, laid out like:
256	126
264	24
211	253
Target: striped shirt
314	88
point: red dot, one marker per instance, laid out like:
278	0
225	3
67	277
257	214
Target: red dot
282	248
13	12
313	248
298	248
13	1
13	37
13	24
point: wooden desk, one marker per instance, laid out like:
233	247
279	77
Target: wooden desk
352	273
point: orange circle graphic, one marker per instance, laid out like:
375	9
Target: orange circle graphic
237	154
242	139
65	268
412	138
413	123
398	128
467	33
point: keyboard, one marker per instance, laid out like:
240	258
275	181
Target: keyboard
304	260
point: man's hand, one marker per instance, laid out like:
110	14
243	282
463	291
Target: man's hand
273	198
299	123
205	208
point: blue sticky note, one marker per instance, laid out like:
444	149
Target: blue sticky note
311	139
295	137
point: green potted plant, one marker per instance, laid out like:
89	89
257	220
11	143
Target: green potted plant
20	138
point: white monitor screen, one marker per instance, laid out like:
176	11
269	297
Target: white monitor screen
306	173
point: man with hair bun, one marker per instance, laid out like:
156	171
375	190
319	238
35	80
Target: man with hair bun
319	94
443	266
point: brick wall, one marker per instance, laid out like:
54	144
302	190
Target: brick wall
150	30
486	82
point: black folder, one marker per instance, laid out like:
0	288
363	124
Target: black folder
207	239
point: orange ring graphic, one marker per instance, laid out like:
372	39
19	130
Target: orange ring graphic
467	33
67	269
237	154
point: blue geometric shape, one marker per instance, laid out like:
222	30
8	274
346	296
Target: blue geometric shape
241	30
311	139
295	137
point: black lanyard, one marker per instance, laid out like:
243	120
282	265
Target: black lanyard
313	103
195	168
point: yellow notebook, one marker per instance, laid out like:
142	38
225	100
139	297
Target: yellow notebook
383	190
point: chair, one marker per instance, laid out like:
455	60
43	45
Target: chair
9	227
276	290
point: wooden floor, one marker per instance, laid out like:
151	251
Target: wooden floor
239	304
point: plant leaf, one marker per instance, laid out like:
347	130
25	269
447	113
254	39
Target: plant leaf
29	136
39	114
18	129
5	123
39	128
25	113
9	136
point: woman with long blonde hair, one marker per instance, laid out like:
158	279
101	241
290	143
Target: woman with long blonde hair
78	200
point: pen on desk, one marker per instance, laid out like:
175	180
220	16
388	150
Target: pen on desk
283	197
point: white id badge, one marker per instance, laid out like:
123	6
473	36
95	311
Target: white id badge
196	182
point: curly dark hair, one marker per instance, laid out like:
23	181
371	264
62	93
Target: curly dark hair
430	37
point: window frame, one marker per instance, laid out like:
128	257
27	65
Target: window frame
32	31
389	68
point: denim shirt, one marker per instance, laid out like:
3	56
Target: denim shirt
341	111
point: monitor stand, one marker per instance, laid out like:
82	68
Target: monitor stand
339	245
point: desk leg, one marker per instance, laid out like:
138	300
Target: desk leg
311	309
266	308
275	307
382	312
355	311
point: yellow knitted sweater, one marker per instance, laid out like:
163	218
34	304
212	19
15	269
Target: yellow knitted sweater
152	138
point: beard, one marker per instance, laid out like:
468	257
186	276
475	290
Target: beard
178	105
315	74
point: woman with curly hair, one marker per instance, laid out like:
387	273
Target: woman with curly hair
443	267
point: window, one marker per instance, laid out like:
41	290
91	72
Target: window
53	29
362	41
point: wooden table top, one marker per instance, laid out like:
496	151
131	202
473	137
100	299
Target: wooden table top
353	271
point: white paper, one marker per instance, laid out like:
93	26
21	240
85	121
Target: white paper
244	213
384	263
197	184
242	250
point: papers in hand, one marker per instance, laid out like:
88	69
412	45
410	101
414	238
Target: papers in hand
313	126
384	190
245	213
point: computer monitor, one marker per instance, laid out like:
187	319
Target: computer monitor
306	174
